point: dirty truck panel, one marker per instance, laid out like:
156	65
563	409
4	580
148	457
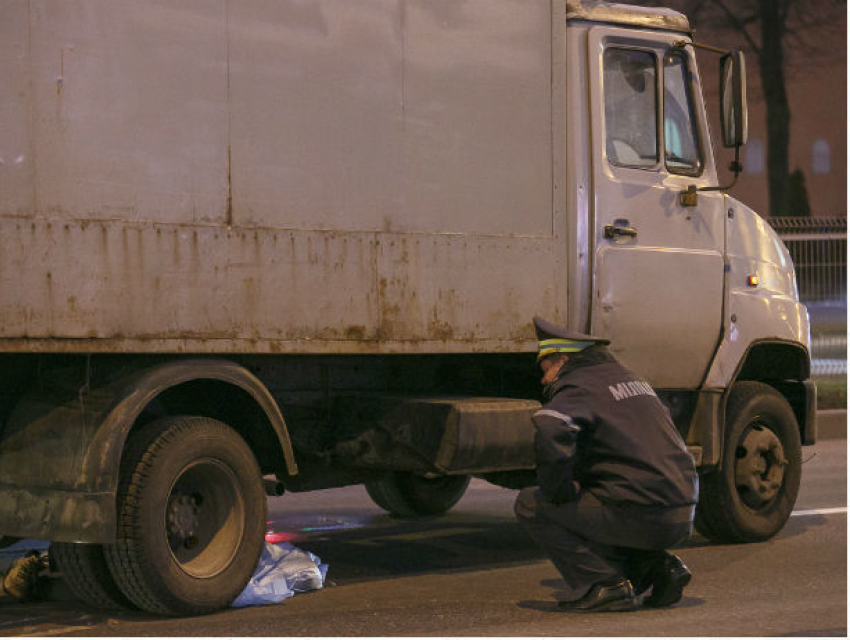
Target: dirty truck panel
305	177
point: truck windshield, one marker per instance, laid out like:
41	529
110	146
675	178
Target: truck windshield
631	136
680	140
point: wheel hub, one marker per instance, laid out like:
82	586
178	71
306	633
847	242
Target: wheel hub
204	518
183	518
760	466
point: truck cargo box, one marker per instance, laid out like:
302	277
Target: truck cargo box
280	177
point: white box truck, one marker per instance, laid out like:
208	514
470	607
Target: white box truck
259	245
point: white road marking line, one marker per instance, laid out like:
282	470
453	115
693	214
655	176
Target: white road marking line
819	512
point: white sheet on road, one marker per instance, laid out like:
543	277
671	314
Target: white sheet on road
283	571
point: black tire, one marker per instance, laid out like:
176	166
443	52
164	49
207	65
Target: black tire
751	496
406	495
84	569
192	513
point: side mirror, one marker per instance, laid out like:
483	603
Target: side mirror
733	99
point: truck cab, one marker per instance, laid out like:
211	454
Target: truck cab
696	293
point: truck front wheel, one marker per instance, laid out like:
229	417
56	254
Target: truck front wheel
192	514
407	495
750	497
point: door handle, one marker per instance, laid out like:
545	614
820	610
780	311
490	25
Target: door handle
614	231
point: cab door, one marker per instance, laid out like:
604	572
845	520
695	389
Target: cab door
658	267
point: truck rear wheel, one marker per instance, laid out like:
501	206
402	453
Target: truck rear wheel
407	495
85	571
750	497
192	515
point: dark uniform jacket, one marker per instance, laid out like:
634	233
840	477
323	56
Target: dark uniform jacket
605	428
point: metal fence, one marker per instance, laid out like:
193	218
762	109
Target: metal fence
818	247
829	353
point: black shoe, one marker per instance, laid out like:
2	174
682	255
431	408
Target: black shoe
618	597
669	579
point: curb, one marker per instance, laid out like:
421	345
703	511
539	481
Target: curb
832	424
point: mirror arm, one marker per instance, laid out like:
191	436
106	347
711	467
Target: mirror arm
681	44
689	197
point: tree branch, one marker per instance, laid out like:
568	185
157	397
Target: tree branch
784	7
739	24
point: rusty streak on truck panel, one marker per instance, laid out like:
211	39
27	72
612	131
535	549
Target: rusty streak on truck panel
110	286
275	177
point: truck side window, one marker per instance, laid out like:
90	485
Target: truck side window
681	147
631	132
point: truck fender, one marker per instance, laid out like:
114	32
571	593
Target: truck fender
139	390
784	365
61	449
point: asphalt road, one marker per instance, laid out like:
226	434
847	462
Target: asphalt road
474	572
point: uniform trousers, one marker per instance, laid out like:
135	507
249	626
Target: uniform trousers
591	542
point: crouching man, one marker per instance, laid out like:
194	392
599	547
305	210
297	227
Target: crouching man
617	484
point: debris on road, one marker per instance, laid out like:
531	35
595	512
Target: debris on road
283	571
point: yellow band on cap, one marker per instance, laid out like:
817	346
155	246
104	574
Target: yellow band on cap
560	345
